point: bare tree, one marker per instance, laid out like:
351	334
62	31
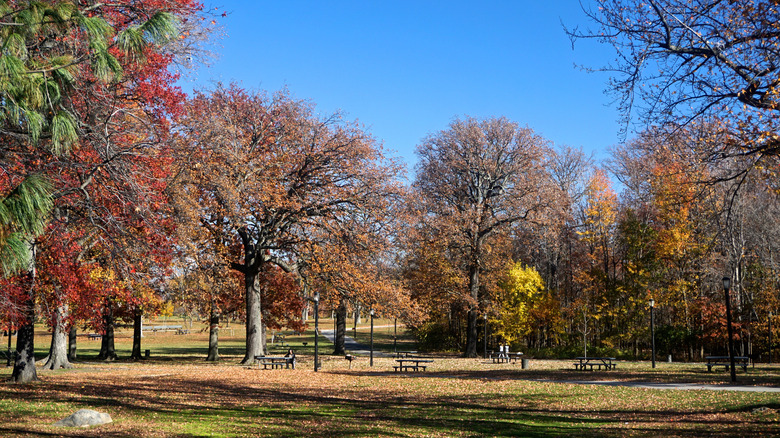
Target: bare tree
681	60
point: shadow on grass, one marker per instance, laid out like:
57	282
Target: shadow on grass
292	410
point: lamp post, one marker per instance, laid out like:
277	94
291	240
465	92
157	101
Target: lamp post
371	360
485	340
726	286
652	329
395	335
316	300
770	337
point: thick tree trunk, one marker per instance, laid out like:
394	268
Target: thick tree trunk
24	366
137	320
58	351
213	336
107	351
254	320
72	343
341	329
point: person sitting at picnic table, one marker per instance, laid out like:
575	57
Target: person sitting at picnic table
290	357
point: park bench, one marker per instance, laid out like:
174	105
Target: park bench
92	336
274	362
411	364
724	361
591	363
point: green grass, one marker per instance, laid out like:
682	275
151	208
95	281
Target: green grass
177	394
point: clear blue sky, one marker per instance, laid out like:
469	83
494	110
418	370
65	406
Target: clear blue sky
405	69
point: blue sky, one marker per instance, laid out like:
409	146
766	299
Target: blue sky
405	69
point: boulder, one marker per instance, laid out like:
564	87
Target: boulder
84	418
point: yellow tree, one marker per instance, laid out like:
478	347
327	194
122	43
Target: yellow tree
525	307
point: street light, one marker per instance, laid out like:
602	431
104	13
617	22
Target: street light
316	300
395	335
770	337
652	328
726	286
485	340
371	360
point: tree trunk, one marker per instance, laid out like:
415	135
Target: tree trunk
58	351
137	320
254	319
107	351
24	366
72	343
341	329
213	336
264	336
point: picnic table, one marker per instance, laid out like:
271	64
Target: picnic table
162	328
411	364
739	361
275	362
583	363
499	357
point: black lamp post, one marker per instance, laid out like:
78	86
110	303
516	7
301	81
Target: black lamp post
652	329
395	335
316	300
485	340
726	286
371	360
770	337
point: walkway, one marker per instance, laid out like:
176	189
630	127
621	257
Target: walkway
677	386
353	346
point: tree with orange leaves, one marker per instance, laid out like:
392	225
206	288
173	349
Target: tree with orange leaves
475	180
272	179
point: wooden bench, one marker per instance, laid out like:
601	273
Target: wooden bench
405	365
92	336
591	363
275	362
724	361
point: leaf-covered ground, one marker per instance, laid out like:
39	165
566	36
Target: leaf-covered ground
177	394
457	397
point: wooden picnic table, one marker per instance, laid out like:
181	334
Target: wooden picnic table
499	357
583	363
411	364
275	362
715	361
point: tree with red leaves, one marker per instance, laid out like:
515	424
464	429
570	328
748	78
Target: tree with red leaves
87	107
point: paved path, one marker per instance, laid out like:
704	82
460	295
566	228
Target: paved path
678	386
352	346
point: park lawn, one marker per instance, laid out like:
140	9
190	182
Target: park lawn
177	394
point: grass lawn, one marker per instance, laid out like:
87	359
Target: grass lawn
176	393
